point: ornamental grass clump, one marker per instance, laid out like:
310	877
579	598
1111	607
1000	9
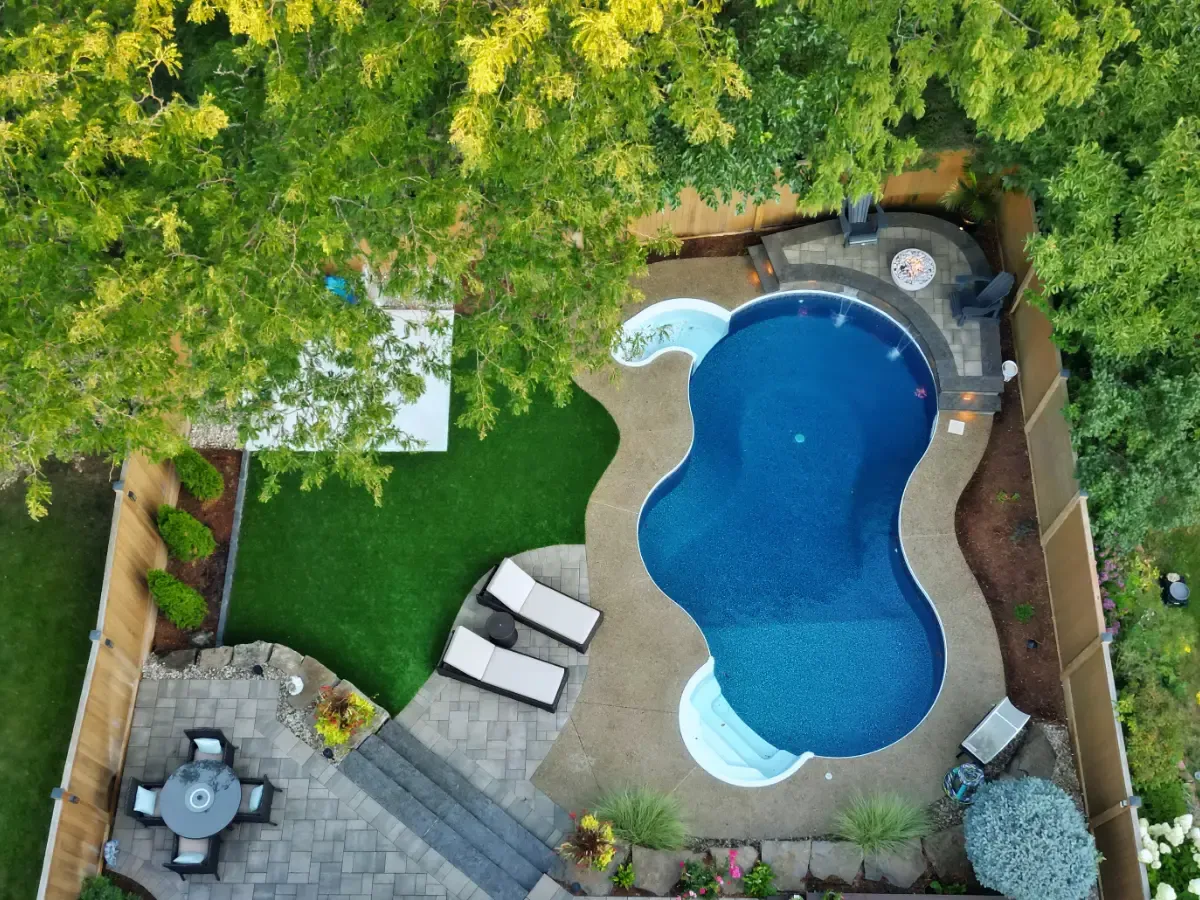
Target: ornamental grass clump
879	823
1027	840
644	817
182	605
186	537
341	713
198	475
591	845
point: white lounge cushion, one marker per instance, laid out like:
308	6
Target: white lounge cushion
207	748
559	613
511	585
252	795
997	730
145	801
524	676
469	653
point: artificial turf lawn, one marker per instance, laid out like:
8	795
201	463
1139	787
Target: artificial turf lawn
371	591
49	595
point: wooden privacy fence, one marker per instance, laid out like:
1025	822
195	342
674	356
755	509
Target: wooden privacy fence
1083	642
694	218
92	773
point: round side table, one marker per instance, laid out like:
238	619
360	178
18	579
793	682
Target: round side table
502	630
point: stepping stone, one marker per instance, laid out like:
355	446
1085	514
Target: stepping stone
594	883
746	858
315	676
657	871
899	868
835	859
1036	757
179	659
947	852
215	657
285	659
247	655
790	861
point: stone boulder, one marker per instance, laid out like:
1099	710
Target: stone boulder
790	861
900	867
179	660
947	852
657	871
835	859
255	654
285	659
215	658
594	883
1036	758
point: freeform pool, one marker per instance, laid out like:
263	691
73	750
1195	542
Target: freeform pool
779	532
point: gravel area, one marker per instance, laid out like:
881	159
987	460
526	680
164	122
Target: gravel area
214	435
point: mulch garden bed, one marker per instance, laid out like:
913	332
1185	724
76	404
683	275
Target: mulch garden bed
997	527
206	575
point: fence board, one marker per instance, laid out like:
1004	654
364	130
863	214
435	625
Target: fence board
1051	458
1040	360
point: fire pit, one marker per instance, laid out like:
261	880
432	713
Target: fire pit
913	269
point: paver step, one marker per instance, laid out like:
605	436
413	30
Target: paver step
762	265
457	850
969	401
475	801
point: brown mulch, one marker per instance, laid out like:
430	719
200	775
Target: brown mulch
997	527
205	575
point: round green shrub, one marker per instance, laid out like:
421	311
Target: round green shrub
97	887
199	476
1027	840
186	537
181	604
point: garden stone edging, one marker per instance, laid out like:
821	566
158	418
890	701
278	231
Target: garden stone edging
900	868
279	662
790	860
835	859
747	856
657	871
594	883
947	853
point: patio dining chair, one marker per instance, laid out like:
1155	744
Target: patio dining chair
195	856
510	589
143	802
209	743
997	730
472	659
970	301
257	796
858	225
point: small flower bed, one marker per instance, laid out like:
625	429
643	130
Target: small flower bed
591	845
339	715
1171	853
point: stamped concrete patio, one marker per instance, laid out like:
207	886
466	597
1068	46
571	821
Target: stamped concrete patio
623	729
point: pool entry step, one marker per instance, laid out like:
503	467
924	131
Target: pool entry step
722	744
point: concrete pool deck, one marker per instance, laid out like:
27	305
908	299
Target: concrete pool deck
623	729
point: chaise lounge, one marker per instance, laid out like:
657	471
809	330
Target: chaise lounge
512	590
472	659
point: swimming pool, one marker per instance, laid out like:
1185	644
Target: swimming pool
779	534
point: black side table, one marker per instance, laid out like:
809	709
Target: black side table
502	630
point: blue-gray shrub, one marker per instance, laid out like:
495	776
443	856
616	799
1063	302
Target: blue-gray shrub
1027	840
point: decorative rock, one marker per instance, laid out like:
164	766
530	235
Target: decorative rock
1036	757
285	659
247	655
947	852
215	657
657	871
179	659
790	861
835	859
899	868
202	638
746	858
315	677
597	884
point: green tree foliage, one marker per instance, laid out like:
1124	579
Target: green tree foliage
175	178
186	537
182	605
198	476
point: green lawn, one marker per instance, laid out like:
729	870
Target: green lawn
371	591
49	595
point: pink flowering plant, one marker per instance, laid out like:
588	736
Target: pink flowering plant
697	879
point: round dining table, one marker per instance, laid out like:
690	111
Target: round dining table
200	798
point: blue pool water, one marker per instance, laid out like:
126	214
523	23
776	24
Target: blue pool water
779	533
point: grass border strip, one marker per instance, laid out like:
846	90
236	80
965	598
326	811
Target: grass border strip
231	561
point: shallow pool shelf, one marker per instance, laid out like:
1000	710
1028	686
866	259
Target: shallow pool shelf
722	744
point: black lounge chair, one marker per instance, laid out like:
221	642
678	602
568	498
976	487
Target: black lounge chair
510	589
143	803
200	856
471	659
969	302
858	225
199	748
259	812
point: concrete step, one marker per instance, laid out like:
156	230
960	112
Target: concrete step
475	801
969	402
434	831
762	265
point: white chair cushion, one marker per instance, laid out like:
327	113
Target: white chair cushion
192	851
510	585
469	653
524	675
560	613
189	859
145	801
256	796
210	747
